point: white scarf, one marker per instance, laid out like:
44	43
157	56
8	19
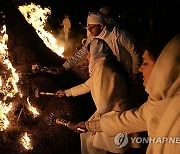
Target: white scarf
99	49
164	80
162	86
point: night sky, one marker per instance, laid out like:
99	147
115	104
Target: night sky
142	18
133	15
164	14
27	48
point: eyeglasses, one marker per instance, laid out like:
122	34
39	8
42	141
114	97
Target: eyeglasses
92	27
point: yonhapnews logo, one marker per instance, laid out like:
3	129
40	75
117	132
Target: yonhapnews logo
121	140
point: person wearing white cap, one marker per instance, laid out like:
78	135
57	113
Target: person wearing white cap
120	41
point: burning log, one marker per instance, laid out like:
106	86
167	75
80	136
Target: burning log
23	48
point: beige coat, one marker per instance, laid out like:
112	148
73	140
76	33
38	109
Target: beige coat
160	115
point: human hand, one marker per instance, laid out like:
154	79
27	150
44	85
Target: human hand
81	128
60	93
93	133
36	68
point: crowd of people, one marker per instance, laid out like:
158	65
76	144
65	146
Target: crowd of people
113	64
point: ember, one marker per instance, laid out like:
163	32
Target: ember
9	88
20	110
32	109
26	141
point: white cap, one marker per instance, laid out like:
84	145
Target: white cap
95	18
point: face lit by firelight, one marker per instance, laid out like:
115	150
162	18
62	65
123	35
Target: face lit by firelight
95	29
147	66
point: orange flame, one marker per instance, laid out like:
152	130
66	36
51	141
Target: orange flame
10	87
3	119
32	109
26	141
37	17
8	84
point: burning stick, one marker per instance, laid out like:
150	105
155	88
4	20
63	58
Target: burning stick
69	124
37	93
52	70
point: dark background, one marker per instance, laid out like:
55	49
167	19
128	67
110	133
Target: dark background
141	18
137	16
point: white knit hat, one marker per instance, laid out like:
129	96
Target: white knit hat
95	18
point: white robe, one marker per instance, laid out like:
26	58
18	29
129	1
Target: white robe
121	44
160	115
109	90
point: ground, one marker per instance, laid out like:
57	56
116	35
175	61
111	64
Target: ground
26	48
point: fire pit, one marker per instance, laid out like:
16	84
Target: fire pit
23	116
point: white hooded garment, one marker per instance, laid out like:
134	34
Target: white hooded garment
164	85
121	43
159	116
109	90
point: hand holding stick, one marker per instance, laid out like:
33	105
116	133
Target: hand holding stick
60	93
52	70
38	93
69	124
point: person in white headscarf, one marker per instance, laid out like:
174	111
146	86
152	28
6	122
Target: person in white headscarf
108	84
160	115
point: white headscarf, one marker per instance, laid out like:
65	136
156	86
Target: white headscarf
99	49
164	86
164	80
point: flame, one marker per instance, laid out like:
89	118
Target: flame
0	82
9	89
26	141
37	17
4	109
32	109
8	83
